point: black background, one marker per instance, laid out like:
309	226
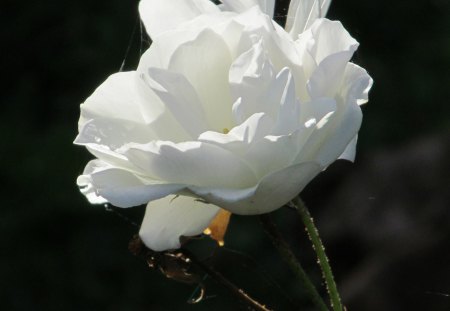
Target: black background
385	219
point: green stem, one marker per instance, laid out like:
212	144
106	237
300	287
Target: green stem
320	251
289	257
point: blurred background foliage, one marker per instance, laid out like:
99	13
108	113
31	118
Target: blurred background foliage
385	220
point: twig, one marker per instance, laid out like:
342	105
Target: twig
320	252
289	257
218	277
173	264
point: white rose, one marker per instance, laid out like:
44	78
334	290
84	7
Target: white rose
226	109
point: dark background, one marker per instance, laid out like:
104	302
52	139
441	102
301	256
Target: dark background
385	219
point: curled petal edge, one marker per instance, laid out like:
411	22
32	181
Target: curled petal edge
101	183
271	193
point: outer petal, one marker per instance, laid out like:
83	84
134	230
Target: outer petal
113	133
350	151
356	84
163	124
267	6
127	98
331	49
303	13
332	135
181	98
275	153
163	47
207	71
169	218
272	192
330	37
115	98
163	15
190	163
102	183
317	109
85	182
263	152
327	78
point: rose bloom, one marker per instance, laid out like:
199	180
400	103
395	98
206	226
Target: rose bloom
226	110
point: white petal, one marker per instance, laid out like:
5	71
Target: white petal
266	6
160	16
262	152
157	115
191	163
102	183
327	77
86	186
303	13
332	135
181	98
240	138
116	98
113	133
272	192
239	6
330	37
231	34
253	129
207	69
289	113
169	218
317	109
279	46
350	151
107	155
356	84
127	96
162	49
253	63
216	21
303	44
250	77
325	5
331	49
274	153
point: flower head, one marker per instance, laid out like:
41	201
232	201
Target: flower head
226	110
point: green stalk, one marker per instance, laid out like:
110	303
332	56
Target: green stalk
320	252
288	256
